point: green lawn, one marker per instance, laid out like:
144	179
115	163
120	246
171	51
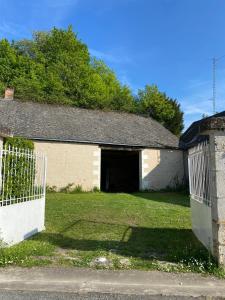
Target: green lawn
133	231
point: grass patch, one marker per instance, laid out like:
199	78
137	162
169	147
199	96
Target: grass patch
132	231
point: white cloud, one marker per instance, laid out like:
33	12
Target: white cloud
125	80
13	29
196	109
197	83
104	56
114	57
38	15
49	13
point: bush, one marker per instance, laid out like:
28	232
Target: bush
96	189
71	189
77	189
51	189
66	189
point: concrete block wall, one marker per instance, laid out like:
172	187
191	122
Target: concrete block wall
21	220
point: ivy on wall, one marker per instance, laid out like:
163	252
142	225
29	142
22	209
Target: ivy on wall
18	142
18	168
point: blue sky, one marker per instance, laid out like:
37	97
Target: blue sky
165	42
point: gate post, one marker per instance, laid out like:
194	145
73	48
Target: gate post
213	176
217	169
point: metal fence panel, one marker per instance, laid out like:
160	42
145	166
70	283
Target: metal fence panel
22	175
199	173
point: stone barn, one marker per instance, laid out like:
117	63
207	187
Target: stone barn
111	151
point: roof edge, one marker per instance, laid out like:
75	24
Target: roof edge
196	140
5	132
196	129
213	123
102	143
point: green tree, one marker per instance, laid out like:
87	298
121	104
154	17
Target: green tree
56	67
115	96
161	108
8	63
176	123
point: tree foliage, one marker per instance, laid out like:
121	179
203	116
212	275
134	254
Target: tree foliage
56	67
161	108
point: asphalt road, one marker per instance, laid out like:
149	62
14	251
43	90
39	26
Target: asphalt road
37	295
73	283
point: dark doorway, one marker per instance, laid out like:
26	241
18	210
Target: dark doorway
119	171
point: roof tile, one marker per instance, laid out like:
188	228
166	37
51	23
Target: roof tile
64	123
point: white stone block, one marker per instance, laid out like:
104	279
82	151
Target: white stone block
97	153
96	172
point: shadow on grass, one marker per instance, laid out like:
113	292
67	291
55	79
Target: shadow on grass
181	199
167	244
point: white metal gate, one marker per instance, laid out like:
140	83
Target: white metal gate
199	173
22	193
23	175
201	192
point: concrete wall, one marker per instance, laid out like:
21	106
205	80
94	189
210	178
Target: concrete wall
22	220
217	150
202	223
78	164
208	222
160	168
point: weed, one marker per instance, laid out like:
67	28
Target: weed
77	189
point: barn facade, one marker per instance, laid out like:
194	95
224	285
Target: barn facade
111	151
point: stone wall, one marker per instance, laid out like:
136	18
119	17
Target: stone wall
217	149
208	221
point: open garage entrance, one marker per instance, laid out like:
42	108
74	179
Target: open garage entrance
119	171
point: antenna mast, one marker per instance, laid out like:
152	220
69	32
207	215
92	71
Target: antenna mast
214	62
214	85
